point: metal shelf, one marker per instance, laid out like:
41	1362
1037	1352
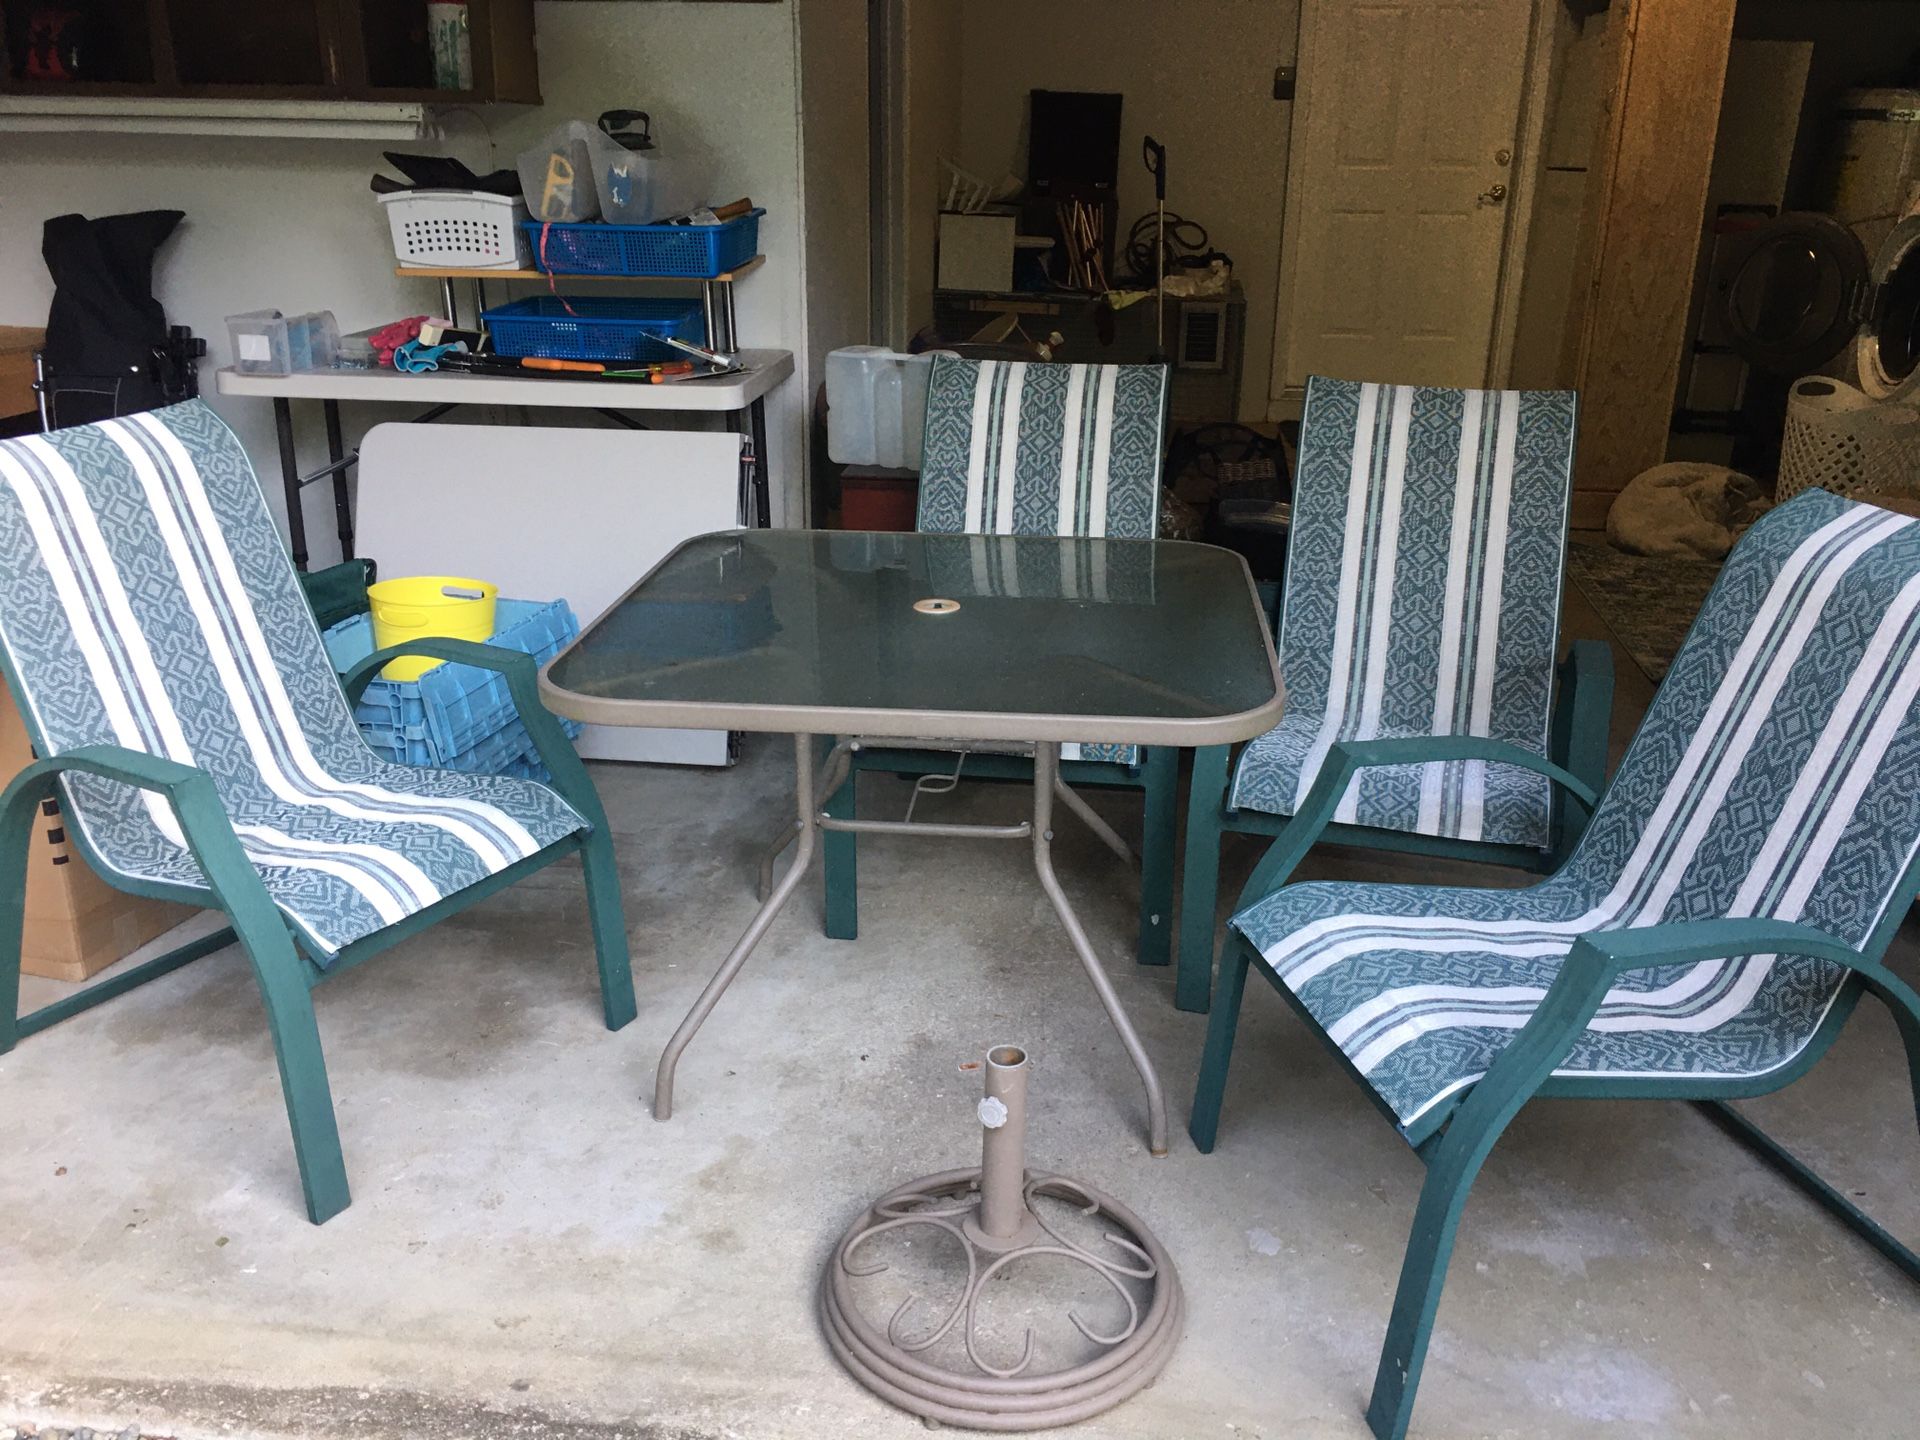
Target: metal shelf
424	272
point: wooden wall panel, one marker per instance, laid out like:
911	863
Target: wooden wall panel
1645	207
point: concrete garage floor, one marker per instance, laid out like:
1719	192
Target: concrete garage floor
529	1254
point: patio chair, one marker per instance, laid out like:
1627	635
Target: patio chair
1017	448
1712	930
1422	598
173	682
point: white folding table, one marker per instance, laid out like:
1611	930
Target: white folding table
742	396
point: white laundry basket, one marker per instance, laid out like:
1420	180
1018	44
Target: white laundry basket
458	229
1842	440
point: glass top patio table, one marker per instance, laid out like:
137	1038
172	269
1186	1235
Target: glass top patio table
973	637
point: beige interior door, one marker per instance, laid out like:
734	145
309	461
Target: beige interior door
1399	189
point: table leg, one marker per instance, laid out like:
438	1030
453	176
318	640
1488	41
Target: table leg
1046	772
290	480
449	301
808	803
762	488
342	500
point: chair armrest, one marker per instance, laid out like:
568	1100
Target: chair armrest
1600	957
497	658
1425	749
1346	758
196	803
522	675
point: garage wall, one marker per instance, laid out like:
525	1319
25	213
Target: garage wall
1197	76
833	139
288	224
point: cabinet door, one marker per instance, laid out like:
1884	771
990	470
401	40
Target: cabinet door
419	50
84	47
289	47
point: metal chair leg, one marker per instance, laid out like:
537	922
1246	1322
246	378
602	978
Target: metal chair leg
1204	1122
609	924
840	852
303	1068
1158	838
1200	878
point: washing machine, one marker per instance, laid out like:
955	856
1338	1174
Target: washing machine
1838	293
1801	292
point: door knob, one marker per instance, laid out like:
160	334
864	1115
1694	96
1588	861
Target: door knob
1493	195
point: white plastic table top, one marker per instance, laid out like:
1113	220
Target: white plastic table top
765	370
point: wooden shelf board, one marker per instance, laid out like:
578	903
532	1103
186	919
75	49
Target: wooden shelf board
423	272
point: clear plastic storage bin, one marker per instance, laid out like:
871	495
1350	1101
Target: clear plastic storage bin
259	342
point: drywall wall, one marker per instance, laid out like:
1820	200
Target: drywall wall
834	172
1197	76
933	108
289	224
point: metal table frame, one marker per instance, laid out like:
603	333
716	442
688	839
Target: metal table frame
1044	731
812	818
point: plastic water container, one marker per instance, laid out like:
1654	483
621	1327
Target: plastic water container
877	405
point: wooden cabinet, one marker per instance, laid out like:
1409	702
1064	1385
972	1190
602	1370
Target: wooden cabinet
258	49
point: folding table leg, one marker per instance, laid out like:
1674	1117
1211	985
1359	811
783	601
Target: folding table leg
290	481
762	483
342	498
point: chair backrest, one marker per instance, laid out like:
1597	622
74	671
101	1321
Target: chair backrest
146	601
1022	448
1777	771
1425	561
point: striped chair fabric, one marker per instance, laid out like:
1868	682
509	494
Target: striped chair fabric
1020	448
146	602
1777	775
1422	598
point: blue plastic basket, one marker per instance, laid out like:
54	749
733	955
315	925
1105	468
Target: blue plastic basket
595	328
457	717
695	252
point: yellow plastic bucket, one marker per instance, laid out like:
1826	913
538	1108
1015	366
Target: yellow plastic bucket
444	606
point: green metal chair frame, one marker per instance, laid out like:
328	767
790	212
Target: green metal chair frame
1582	720
1577	740
1524	1069
285	974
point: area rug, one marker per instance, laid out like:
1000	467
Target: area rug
1647	601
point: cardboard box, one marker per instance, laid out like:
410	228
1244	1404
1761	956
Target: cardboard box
976	251
17	344
76	923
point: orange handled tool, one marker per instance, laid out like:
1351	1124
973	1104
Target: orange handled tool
663	373
540	362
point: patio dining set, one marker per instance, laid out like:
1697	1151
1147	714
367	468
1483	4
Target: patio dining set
1701	927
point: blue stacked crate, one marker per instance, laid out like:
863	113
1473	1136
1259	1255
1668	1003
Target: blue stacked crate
458	717
692	252
602	328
